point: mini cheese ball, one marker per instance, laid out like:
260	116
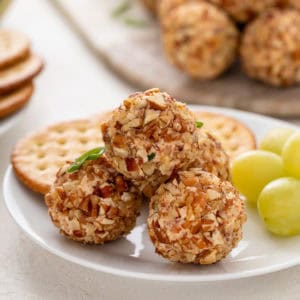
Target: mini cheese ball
270	48
196	218
200	40
241	11
94	204
150	136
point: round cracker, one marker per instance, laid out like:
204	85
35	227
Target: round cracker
234	136
9	103
37	158
14	46
20	73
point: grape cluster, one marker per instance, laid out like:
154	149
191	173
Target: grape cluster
270	179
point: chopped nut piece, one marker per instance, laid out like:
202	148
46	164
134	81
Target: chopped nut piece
151	115
157	101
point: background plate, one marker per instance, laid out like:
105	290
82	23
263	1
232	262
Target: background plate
133	256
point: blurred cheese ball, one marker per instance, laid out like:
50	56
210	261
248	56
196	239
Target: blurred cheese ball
200	39
196	218
270	48
150	5
94	204
244	11
150	136
240	10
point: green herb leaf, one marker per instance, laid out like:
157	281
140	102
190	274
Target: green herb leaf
121	9
90	155
135	22
199	124
151	156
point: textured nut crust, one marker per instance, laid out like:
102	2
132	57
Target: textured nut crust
235	137
241	10
149	137
200	39
94	204
210	156
196	218
270	49
10	103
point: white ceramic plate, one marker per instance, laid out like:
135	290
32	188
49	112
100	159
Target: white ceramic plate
10	121
133	256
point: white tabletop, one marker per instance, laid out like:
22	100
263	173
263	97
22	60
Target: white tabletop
74	84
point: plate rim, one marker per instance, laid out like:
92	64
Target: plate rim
152	276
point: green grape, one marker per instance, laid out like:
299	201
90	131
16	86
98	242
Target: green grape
291	155
275	139
279	206
253	170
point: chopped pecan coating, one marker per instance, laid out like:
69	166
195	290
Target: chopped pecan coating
94	204
196	218
200	39
148	137
270	48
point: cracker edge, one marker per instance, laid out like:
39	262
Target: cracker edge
241	124
21	103
33	185
22	81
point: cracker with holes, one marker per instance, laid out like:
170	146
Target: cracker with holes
14	46
37	158
234	136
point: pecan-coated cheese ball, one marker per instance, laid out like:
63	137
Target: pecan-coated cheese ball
210	156
200	40
150	136
241	10
196	218
94	204
270	48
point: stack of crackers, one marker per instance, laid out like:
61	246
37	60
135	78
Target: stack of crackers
37	158
18	67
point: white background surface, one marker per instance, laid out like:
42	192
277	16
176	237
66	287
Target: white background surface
74	84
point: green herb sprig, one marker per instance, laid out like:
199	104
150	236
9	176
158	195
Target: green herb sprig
90	155
151	156
120	13
135	22
121	9
199	124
